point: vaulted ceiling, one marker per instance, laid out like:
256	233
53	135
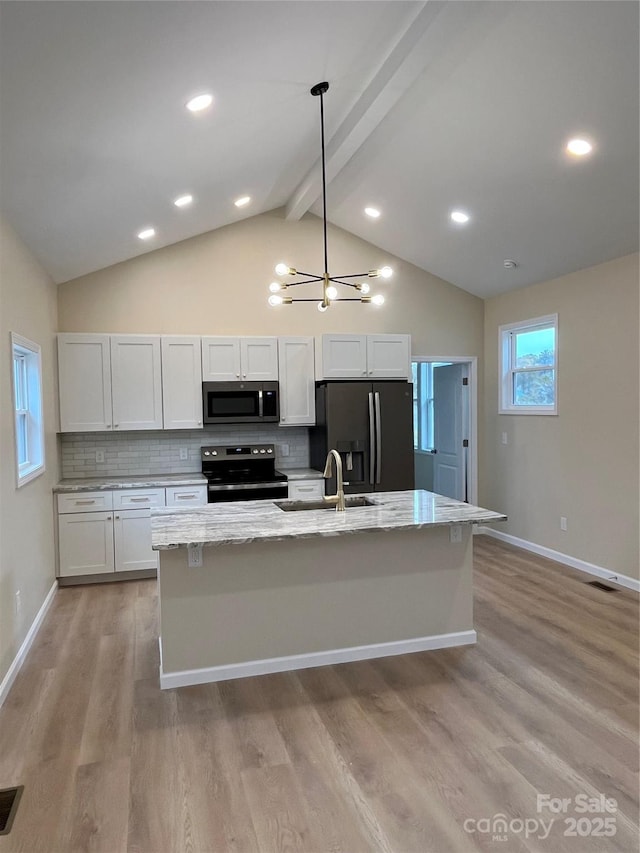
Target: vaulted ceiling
431	107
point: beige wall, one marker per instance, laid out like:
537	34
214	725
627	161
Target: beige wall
217	283
28	307
582	464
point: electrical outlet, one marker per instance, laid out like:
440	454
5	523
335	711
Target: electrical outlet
284	449
18	602
194	556
563	523
99	455
184	453
505	438
455	534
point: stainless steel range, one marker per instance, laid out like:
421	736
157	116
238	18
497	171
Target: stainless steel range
242	473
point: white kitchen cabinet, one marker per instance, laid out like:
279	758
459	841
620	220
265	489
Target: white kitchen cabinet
228	359
136	382
363	357
186	495
296	374
181	382
94	539
306	490
84	370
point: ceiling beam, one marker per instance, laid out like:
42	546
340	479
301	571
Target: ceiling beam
402	65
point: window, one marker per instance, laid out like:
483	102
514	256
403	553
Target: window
422	378
529	367
27	403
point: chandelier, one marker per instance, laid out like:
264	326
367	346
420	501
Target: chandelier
330	283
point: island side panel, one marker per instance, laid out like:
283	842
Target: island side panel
267	600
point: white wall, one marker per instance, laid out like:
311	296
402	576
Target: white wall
582	464
27	306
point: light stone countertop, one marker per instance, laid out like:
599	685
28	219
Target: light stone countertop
139	481
301	473
260	521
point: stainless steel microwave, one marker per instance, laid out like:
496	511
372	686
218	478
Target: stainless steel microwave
240	402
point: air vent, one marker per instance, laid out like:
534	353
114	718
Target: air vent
9	799
602	586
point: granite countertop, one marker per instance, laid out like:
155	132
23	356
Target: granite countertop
258	521
301	473
140	481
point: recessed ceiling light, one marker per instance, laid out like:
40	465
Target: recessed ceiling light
579	147
183	200
199	103
373	212
241	202
459	216
147	234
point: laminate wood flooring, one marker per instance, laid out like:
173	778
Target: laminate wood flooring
418	753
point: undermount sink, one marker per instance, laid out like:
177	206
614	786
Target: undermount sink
298	506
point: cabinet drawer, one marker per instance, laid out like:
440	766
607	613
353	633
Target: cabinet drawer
138	498
306	490
85	502
186	495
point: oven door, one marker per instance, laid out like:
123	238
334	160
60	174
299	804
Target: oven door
218	492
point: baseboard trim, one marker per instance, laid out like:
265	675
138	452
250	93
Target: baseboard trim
19	659
187	677
566	559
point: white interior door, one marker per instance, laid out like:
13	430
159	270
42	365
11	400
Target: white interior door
449	475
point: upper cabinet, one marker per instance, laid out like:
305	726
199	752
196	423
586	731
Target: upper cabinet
181	382
136	382
84	368
363	357
297	386
227	359
109	382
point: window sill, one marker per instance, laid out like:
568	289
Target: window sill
528	412
28	476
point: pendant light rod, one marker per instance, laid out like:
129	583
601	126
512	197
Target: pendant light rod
320	89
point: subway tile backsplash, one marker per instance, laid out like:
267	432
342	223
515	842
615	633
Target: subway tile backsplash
159	452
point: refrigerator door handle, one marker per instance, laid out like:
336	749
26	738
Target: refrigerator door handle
372	440
378	438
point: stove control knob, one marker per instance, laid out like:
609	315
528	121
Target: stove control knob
269	450
255	450
263	450
206	453
214	452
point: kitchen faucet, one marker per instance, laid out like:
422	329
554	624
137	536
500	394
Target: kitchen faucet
338	498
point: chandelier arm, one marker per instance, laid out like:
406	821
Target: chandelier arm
306	281
324	188
345	283
311	275
353	275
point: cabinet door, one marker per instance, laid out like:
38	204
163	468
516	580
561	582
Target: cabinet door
186	495
181	383
132	536
85	541
297	381
136	383
306	490
220	359
259	359
388	356
84	372
344	357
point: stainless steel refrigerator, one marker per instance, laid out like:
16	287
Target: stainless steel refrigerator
371	425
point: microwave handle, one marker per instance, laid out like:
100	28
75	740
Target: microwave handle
260	404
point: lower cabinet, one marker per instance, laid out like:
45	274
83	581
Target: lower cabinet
100	533
306	490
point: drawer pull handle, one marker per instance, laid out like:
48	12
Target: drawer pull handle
85	503
139	500
184	497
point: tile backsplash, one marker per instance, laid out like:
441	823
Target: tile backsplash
159	452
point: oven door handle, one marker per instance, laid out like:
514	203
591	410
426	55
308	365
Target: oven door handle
237	487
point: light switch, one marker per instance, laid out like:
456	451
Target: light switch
505	438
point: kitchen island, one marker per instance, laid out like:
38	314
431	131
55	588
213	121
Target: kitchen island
277	590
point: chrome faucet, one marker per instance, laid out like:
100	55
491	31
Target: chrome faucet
338	498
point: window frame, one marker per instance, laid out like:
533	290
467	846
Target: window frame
424	426
507	334
27	406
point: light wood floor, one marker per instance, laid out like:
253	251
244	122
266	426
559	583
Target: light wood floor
387	755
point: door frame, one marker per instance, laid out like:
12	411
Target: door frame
472	459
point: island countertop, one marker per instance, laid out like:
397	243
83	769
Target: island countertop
256	521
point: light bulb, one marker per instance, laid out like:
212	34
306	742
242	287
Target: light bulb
199	103
322	307
579	147
147	234
282	269
378	299
275	286
364	287
332	292
183	201
459	216
274	300
386	272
